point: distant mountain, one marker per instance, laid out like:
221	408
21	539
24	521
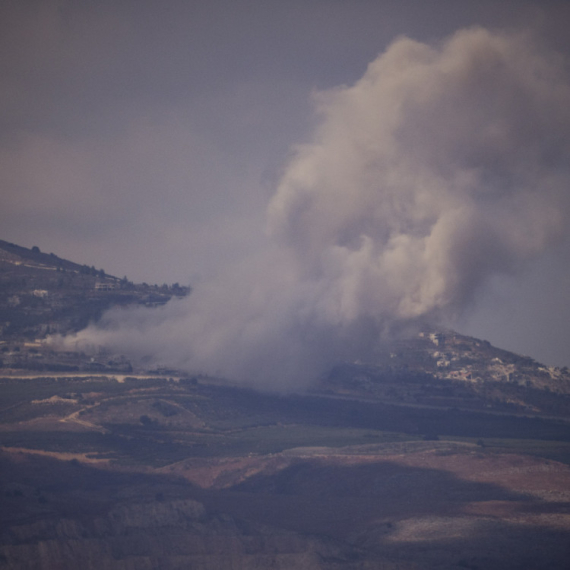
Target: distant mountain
43	294
454	371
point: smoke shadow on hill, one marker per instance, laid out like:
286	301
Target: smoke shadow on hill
384	511
373	512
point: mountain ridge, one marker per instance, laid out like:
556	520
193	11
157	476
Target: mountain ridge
43	294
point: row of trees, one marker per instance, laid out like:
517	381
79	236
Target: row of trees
174	289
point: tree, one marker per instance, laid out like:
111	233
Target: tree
145	420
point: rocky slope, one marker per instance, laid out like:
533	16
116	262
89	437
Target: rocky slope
450	370
65	515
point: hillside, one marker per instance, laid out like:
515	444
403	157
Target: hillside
168	473
442	453
453	371
42	294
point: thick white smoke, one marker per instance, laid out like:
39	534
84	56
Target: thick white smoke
441	167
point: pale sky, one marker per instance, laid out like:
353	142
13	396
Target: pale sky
148	138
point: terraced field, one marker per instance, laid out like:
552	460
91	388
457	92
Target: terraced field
308	481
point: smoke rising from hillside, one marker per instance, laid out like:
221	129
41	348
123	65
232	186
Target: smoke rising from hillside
440	168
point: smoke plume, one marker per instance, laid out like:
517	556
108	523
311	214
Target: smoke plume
443	166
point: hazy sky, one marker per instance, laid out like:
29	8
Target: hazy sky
150	138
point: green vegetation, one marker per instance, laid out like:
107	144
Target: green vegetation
156	422
552	450
274	439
